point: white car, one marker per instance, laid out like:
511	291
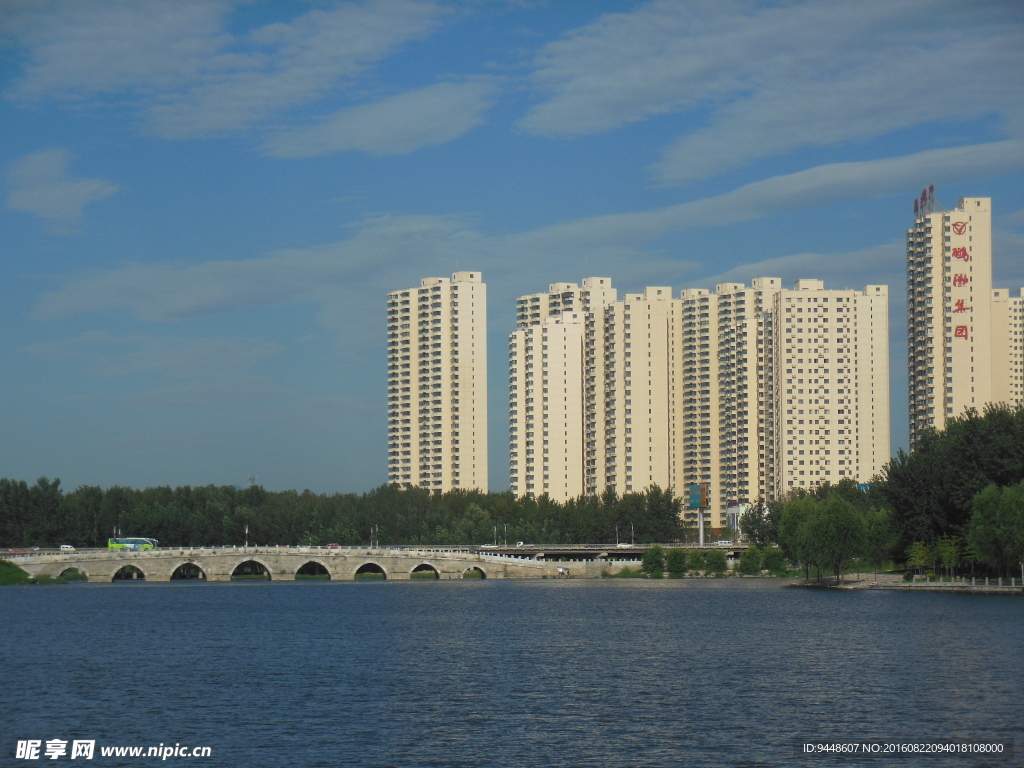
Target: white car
66	548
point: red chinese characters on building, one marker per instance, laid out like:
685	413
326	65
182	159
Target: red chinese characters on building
962	254
960	332
960	280
958	306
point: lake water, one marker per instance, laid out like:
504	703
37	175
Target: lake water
506	673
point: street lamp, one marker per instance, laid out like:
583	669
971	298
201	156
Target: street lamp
632	543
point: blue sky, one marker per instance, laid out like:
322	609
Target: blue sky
204	203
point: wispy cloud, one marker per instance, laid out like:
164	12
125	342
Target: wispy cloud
816	186
778	78
348	278
401	124
189	75
39	184
880	265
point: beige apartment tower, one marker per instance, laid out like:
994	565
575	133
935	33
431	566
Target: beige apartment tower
437	384
553	389
832	385
964	342
758	390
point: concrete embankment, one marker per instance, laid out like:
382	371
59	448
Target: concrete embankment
957	585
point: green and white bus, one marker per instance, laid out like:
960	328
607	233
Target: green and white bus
133	544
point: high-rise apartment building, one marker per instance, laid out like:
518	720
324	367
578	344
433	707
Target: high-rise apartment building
963	336
757	389
637	449
831	384
437	384
553	414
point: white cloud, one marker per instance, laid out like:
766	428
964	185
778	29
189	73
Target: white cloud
349	277
79	49
880	265
399	125
163	293
778	78
821	185
190	76
39	184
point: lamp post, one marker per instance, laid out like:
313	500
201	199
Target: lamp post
246	535
632	538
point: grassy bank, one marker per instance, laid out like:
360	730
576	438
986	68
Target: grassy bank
12	574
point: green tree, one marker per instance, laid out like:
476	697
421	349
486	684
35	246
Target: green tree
947	552
879	537
919	555
931	490
751	561
715	562
839	533
675	561
793	532
760	523
996	531
695	559
775	561
653	561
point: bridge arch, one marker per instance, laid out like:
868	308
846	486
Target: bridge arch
474	572
129	572
313	568
251	567
369	570
425	570
189	570
73	568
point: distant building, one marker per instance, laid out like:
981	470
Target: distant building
964	338
553	389
758	390
437	384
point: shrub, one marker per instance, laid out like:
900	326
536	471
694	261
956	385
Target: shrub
751	560
714	561
775	562
653	562
675	561
695	559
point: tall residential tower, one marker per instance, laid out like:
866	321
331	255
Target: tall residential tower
758	390
437	384
964	343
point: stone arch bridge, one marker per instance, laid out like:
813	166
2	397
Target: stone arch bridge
284	563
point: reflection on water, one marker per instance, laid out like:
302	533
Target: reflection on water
505	673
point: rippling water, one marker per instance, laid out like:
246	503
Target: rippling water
506	673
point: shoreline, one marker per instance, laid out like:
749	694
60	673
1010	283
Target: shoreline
894	583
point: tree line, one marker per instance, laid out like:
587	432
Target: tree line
44	514
956	502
